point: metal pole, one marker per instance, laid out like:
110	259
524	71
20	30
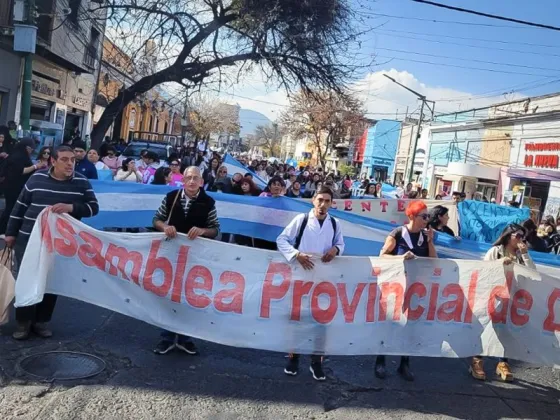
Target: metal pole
25	111
411	174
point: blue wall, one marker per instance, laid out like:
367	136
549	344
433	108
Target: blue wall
381	146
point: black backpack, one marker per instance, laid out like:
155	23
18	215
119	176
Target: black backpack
304	225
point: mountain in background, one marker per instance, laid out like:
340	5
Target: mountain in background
250	120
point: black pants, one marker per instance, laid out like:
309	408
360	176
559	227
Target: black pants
40	312
314	358
11	197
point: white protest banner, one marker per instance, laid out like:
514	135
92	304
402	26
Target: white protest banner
391	210
253	298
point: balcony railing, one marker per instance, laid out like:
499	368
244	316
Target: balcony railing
90	56
6	13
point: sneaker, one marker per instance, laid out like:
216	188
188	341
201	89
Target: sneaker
22	331
380	371
476	369
316	370
187	346
405	372
40	329
164	347
504	372
292	366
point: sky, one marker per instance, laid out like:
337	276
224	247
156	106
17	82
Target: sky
461	61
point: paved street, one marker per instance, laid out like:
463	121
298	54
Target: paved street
229	383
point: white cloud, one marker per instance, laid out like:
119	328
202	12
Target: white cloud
382	97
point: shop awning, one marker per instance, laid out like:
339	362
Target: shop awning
535	174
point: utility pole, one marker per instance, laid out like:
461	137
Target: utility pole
425	102
25	113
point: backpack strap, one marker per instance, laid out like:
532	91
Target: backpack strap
333	222
300	232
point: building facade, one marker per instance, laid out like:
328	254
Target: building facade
65	65
381	149
508	151
150	116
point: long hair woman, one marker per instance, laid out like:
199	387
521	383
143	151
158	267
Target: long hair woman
439	217
162	176
510	248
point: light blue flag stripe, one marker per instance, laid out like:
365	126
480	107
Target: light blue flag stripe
126	205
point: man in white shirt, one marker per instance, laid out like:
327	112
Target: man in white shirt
308	238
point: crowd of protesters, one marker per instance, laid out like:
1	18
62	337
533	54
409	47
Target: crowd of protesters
67	169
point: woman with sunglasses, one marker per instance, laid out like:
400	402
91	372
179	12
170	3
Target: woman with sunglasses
176	175
415	239
44	156
510	247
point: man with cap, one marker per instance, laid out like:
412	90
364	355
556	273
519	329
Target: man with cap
83	165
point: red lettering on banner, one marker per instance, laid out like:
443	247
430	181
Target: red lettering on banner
401	205
324	316
198	300
366	205
157	263
521	301
384	204
370	307
471	297
349	309
124	257
419	290
503	293
68	246
388	289
271	291
90	253
177	289
348	205
434	292
301	288
230	300
453	309
46	234
550	323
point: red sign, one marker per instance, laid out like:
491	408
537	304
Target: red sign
542	161
542	147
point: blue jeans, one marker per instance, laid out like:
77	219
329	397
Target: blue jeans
170	336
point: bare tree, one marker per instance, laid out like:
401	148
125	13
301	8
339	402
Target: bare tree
269	137
301	44
208	116
325	117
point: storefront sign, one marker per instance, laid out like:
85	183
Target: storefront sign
43	87
542	161
78	100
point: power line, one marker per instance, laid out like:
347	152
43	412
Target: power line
443	21
488	15
471	59
466	67
528	44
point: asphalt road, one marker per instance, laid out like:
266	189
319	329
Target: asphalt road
232	383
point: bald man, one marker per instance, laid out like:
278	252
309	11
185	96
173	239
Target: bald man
192	212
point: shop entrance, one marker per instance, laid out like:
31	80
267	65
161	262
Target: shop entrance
73	123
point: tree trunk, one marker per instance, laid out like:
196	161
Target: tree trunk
124	97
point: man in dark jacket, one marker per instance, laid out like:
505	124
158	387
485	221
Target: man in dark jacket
83	165
192	212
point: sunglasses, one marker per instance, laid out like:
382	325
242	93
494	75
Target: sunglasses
173	164
519	235
424	216
110	154
46	152
222	172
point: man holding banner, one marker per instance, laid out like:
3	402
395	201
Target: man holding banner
308	235
64	191
192	212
